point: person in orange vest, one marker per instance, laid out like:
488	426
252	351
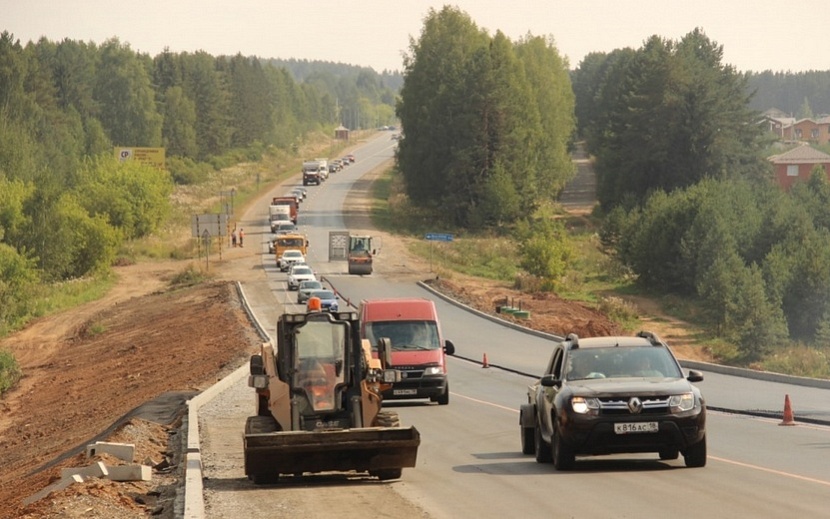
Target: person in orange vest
241	236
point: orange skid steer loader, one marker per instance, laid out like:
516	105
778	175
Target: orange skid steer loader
318	401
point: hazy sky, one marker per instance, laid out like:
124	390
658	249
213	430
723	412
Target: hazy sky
756	35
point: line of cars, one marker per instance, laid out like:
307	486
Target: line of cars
302	279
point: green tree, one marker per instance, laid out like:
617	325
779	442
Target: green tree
126	97
678	116
132	197
18	277
804	111
179	128
203	85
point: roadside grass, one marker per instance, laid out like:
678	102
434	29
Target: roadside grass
49	299
228	190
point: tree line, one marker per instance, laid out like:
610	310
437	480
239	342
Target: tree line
799	94
67	205
690	204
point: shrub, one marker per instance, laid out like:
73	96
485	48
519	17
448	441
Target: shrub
9	371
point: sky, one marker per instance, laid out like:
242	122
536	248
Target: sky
756	35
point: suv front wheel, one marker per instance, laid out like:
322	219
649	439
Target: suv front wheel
695	455
563	456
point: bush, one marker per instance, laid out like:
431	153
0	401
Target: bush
9	371
188	277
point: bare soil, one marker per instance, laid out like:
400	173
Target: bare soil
87	369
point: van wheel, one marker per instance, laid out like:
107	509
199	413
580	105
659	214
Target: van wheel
443	398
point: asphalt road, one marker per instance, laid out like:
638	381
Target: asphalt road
470	463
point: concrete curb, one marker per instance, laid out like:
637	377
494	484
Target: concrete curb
194	506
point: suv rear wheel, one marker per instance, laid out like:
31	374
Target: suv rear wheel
542	449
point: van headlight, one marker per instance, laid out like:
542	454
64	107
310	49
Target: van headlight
684	402
433	370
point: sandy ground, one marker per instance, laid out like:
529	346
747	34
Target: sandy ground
88	370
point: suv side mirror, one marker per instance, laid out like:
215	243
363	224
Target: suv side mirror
549	381
695	376
449	347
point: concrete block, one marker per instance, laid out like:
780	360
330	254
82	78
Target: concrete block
96	470
123	451
129	472
59	485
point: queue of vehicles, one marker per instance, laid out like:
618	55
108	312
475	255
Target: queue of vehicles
602	395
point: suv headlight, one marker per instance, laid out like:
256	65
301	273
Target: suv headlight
683	402
582	405
433	370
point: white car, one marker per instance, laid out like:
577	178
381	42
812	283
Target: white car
299	273
289	258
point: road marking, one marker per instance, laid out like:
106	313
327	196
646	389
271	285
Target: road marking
491	404
725	460
772	471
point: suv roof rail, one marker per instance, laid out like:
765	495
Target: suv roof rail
652	338
574	339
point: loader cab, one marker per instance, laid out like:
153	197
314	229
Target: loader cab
318	361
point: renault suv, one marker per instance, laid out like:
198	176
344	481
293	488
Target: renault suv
610	395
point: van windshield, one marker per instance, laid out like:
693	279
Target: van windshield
405	335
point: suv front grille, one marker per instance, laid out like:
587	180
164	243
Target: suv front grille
621	405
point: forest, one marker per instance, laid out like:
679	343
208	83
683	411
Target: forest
67	205
687	203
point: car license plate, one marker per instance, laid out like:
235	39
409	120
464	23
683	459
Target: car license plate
404	391
635	427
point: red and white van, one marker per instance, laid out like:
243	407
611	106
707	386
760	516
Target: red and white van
418	349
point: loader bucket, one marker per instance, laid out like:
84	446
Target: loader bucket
372	449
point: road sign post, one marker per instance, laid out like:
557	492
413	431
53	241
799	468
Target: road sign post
434	236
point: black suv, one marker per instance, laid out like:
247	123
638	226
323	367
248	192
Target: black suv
609	395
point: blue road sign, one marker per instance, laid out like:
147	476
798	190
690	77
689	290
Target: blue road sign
432	236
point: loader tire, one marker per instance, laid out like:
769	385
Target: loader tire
388	419
261	425
386	474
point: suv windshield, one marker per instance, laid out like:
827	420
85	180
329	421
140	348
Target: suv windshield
646	361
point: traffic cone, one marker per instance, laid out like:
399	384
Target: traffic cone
788	412
484	363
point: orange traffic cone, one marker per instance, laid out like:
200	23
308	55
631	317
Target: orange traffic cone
788	412
484	363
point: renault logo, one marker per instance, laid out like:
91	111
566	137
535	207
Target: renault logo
635	405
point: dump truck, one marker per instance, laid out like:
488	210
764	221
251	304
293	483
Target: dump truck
318	402
311	173
291	202
361	254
